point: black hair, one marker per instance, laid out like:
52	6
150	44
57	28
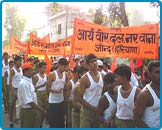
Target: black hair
75	70
17	58
30	59
109	78
41	64
90	57
81	70
36	61
153	64
63	61
123	70
11	62
105	63
100	66
5	53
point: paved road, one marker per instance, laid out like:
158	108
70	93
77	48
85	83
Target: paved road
6	122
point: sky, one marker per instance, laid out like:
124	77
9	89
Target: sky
33	11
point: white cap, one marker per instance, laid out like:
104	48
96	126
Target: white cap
100	63
77	57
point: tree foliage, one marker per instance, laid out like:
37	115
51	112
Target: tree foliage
98	16
14	23
52	9
117	14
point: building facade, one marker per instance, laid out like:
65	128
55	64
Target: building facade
61	24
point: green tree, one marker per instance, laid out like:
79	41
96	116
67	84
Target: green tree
52	9
98	16
117	14
14	23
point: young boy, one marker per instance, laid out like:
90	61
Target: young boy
148	114
40	81
69	94
107	104
126	96
6	83
76	105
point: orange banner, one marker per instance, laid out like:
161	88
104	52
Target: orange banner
39	46
61	47
17	45
127	42
46	38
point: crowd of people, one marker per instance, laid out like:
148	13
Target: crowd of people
89	95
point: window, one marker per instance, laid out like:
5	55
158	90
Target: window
59	29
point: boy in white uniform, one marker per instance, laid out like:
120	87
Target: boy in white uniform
147	105
107	104
16	75
56	82
5	67
91	86
40	82
126	96
6	83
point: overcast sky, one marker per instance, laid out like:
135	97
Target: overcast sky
33	11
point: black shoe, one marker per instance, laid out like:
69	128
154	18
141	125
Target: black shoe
12	125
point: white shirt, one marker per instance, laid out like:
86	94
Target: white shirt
151	115
125	106
103	73
93	94
17	77
8	77
57	85
72	89
4	68
41	81
26	93
112	107
134	81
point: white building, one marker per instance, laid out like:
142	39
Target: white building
61	24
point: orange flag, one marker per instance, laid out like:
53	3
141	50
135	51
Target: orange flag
71	60
64	55
46	38
132	65
139	63
48	62
27	52
113	65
